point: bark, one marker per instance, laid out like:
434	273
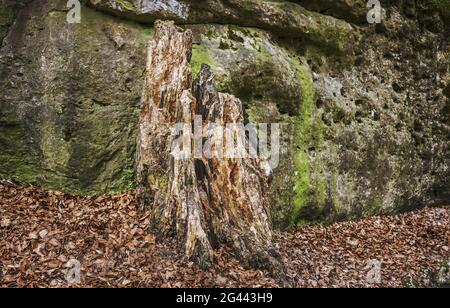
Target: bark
203	201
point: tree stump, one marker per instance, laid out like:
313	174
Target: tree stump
205	201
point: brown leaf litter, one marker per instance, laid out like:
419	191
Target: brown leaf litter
40	231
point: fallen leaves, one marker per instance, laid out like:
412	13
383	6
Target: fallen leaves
338	255
42	230
43	233
5	223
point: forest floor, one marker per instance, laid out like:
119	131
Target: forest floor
40	231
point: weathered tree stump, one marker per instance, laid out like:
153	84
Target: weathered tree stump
203	200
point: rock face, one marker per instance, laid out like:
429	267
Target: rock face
204	200
70	99
280	17
364	108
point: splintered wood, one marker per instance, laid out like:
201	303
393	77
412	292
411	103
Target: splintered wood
204	201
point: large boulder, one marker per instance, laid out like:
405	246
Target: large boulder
70	96
284	18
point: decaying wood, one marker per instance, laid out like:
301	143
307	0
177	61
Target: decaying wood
209	201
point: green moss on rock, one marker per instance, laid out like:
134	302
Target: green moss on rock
200	56
15	161
7	15
310	186
85	89
441	5
126	5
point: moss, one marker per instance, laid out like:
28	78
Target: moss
373	206
237	34
127	5
310	187
85	145
126	182
56	151
303	135
224	45
15	161
200	56
7	16
159	183
252	83
334	35
334	199
338	34
441	5
147	31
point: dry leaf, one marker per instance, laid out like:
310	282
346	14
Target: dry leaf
43	233
5	223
